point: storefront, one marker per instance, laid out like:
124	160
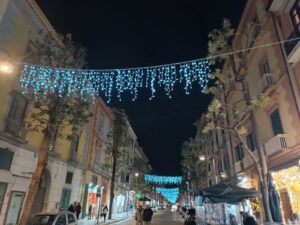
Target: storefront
287	184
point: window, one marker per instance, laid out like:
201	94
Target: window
74	143
239	152
220	167
101	129
256	27
71	218
217	138
251	141
13	123
6	159
276	122
226	162
98	154
265	67
3	187
295	15
61	220
17	108
69	178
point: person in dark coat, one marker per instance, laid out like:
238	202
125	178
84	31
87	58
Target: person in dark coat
147	215
104	212
247	219
90	211
77	210
71	208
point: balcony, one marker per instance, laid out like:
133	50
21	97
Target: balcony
292	48
278	6
75	158
14	131
238	166
275	144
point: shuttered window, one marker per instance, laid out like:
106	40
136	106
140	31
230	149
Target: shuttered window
276	122
6	158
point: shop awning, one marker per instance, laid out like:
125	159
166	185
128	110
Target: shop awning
227	193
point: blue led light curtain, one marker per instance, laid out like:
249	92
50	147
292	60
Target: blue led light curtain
162	179
92	83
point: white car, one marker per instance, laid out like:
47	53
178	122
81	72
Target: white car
53	218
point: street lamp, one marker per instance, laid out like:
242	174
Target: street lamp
136	174
5	65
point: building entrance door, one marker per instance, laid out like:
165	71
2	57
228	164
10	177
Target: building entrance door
14	208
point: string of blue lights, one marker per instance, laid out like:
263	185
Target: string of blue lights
171	194
162	179
92	83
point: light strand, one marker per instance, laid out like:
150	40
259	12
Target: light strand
162	179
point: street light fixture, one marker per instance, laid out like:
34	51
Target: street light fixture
136	174
5	65
202	157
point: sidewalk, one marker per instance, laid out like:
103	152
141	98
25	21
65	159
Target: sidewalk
116	217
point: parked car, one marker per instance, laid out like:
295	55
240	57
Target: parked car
53	218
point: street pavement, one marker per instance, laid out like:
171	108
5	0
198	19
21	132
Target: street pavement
115	218
161	217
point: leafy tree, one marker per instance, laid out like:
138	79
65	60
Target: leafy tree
117	151
52	112
230	73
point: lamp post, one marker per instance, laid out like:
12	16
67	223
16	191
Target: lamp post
5	65
203	157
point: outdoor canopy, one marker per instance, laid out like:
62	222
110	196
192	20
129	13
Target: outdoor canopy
227	193
144	199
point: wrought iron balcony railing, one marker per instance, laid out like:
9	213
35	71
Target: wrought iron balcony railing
14	129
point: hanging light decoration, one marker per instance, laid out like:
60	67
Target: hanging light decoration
171	194
162	179
92	83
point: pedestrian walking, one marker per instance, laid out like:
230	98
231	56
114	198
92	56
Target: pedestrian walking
247	219
232	220
147	215
77	210
72	208
139	215
90	211
104	212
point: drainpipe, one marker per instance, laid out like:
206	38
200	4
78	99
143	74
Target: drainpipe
286	65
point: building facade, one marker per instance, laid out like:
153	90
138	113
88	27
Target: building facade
268	32
20	23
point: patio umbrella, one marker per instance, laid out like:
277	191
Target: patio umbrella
227	193
274	201
144	199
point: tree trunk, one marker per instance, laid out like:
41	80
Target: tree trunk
112	185
35	180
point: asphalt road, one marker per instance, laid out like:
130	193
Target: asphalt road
161	217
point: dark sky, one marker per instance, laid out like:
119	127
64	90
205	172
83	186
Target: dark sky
122	34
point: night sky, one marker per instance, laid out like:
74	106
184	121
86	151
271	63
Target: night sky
122	34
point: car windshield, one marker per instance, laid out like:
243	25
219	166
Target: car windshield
42	220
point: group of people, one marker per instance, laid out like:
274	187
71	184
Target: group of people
143	216
247	219
75	208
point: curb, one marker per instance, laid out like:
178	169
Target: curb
110	222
